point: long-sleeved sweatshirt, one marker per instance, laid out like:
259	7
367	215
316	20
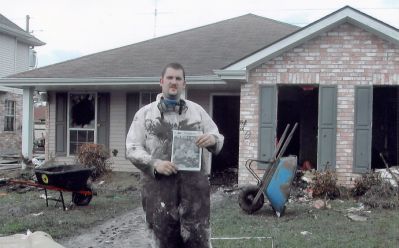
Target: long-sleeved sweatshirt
150	135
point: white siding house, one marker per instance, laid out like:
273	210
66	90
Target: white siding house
15	46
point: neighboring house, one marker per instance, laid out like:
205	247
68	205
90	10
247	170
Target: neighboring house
39	134
337	77
15	52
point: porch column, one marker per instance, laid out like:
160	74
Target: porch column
27	124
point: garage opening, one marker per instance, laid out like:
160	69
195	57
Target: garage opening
299	104
226	114
385	137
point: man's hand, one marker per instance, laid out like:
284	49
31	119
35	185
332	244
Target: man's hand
166	168
205	140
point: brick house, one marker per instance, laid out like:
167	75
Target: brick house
337	77
15	50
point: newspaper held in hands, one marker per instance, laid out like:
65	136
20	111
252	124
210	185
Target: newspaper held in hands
186	155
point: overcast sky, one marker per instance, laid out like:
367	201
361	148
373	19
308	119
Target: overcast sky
73	28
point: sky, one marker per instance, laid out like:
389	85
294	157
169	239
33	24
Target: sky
75	28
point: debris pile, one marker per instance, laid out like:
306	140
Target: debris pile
375	191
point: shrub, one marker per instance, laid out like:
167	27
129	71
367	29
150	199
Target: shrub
365	182
382	195
95	156
324	185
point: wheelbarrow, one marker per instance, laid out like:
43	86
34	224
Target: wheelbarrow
63	178
276	181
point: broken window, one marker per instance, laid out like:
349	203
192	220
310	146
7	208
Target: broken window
9	118
81	120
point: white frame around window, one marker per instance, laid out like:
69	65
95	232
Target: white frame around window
7	114
81	129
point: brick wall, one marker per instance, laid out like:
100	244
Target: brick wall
10	141
344	56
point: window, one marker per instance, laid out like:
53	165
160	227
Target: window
82	119
147	97
9	117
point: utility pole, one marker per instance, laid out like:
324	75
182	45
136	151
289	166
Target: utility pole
27	23
155	19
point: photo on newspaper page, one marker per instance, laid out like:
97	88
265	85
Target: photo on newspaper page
186	155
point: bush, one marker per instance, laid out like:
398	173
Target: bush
324	185
95	156
365	182
382	195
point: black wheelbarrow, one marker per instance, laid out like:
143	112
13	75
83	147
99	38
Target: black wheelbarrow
68	178
276	181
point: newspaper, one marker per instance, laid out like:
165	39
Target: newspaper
186	155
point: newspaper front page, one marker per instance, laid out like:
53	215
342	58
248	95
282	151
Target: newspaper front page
186	155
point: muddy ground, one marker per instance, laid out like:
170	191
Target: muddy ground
127	230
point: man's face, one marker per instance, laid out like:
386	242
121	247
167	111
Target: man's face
173	83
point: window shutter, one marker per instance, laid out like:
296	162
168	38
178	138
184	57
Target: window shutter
327	131
103	113
267	122
61	124
363	119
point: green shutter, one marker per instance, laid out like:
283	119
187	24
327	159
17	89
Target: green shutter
61	124
132	106
327	131
267	122
363	120
103	112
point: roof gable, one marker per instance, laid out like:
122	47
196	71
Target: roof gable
200	50
345	14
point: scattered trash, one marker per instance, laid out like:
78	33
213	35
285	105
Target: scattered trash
304	233
387	176
38	161
356	217
356	209
308	176
3	194
38	214
321	204
162	204
101	182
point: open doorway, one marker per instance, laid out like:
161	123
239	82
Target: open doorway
385	137
299	104
226	114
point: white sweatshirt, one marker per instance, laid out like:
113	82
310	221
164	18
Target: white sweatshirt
150	135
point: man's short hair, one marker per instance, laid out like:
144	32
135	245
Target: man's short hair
175	66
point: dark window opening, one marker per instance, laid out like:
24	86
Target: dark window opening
385	137
226	114
299	104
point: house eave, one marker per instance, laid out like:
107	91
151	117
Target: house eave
21	36
232	75
98	82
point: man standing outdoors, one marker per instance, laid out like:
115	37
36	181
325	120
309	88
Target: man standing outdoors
176	203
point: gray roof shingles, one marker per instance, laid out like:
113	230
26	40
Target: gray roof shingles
200	50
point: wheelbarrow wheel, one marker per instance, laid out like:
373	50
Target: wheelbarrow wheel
82	199
246	198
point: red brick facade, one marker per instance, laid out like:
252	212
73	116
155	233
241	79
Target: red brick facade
345	56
